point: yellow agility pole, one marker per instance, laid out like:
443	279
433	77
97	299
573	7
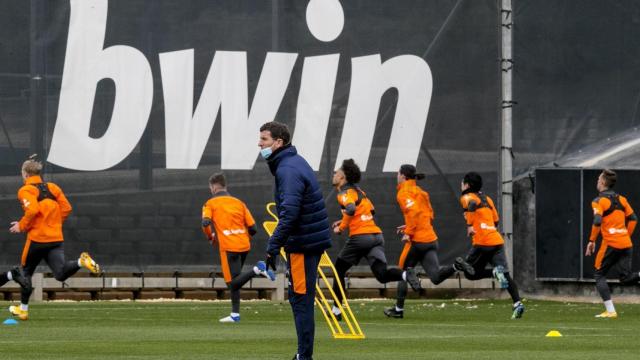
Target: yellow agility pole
350	329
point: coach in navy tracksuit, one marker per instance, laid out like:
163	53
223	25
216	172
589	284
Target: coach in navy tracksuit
303	226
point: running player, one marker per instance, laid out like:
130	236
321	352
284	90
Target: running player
233	227
487	243
419	237
365	237
614	218
45	209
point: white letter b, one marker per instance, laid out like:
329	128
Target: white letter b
86	63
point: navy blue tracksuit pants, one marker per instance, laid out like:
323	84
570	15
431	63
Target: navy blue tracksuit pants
303	271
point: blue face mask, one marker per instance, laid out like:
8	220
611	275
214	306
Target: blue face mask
266	152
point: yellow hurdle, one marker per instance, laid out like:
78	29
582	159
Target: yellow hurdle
338	330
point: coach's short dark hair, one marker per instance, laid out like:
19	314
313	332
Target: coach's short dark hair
610	177
218	178
278	130
351	171
474	180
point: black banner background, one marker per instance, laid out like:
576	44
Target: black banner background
138	215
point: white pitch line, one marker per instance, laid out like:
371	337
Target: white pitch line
502	326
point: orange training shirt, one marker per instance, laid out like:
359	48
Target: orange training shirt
614	230
361	222
231	219
42	220
483	218
418	213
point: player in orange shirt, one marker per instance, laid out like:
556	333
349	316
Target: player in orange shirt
614	218
45	209
487	243
233	227
365	237
419	237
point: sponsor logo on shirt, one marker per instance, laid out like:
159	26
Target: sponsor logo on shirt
365	217
228	232
484	226
613	231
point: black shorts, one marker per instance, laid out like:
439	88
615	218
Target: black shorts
232	263
369	246
619	259
480	256
53	254
415	253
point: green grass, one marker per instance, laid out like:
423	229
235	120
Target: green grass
430	330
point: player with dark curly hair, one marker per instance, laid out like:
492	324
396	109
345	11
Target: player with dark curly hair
365	237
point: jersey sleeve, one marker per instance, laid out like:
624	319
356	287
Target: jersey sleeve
494	212
249	221
630	215
29	201
346	199
598	210
61	199
466	201
428	206
409	209
628	210
598	206
207	214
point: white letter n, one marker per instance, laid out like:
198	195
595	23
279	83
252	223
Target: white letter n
370	79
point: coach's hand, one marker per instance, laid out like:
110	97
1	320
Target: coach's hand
591	247
270	261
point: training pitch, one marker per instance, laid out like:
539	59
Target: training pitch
434	329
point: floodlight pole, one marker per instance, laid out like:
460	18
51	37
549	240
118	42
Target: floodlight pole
506	152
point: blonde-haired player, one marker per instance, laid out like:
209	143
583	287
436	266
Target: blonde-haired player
45	209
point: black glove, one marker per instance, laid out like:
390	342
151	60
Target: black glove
271	261
206	222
